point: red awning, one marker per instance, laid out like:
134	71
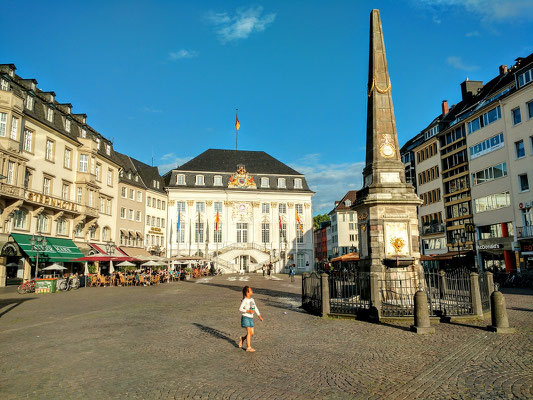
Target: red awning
104	257
347	257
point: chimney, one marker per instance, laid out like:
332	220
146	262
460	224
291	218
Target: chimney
470	88
8	69
445	107
503	69
49	96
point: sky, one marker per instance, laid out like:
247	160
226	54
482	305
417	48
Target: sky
163	79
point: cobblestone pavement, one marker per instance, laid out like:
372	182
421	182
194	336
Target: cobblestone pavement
177	341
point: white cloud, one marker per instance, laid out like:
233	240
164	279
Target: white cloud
171	161
488	10
149	109
181	54
240	25
330	181
458	63
472	34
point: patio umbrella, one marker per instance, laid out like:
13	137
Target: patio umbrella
126	264
53	267
149	264
12	264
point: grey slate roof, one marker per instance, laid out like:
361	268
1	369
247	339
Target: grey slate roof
149	174
224	163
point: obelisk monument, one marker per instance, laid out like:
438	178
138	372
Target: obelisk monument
386	205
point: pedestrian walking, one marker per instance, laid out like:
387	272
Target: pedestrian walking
248	308
292	272
269	271
264	270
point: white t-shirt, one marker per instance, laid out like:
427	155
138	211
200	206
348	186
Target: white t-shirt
248	304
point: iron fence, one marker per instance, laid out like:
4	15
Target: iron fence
349	292
312	292
448	292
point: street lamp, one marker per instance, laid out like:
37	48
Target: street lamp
38	243
110	247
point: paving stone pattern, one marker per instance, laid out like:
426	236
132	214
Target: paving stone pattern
177	341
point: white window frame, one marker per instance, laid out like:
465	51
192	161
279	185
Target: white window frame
14	128
28	138
84	163
199	180
49	152
298	183
3	124
180	180
67	124
265	182
50	114
217	180
282	183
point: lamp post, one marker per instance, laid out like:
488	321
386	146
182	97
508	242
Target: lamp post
110	247
38	243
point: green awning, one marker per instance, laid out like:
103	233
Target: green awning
57	250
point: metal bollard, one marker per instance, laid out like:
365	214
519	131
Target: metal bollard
422	325
498	313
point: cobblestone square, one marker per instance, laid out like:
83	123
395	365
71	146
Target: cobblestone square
177	341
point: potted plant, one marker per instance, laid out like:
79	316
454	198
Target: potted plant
188	272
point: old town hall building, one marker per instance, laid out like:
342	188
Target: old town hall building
240	209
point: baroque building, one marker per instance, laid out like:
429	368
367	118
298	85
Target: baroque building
240	209
59	175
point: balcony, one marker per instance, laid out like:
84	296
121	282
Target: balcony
525	232
34	197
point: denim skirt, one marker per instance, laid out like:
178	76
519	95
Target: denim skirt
247	322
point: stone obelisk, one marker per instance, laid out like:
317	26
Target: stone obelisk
386	205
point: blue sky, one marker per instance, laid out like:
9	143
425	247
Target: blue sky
165	77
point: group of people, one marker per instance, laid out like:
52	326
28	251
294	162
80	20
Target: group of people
267	270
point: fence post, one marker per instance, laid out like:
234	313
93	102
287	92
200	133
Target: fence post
375	296
324	294
305	275
490	282
443	285
477	306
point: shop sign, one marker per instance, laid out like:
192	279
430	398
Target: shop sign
527	247
51	201
155	230
493	246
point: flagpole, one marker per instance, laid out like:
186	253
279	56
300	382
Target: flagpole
236	129
297	227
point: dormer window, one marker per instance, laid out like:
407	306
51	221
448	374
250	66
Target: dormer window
29	102
180	180
200	180
67	124
4	85
98	143
108	149
282	184
348	203
218	180
136	178
50	114
265	182
297	183
129	175
83	133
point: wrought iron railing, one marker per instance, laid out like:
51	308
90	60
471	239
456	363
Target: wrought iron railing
349	292
484	291
448	292
312	292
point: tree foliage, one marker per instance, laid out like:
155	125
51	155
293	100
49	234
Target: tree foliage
317	219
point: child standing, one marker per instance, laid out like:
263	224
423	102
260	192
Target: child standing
248	308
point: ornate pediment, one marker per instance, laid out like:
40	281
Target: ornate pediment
241	179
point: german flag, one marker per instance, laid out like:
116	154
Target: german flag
299	222
216	222
237	123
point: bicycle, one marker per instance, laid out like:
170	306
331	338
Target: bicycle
72	282
26	287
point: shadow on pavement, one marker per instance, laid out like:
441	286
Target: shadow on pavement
483	328
216	333
262	291
400	327
11	304
520	309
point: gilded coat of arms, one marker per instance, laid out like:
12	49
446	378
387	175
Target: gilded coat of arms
398	244
241	179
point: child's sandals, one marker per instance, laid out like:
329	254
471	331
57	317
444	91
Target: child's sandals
251	350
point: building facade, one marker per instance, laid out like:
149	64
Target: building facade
344	235
485	145
59	175
240	209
